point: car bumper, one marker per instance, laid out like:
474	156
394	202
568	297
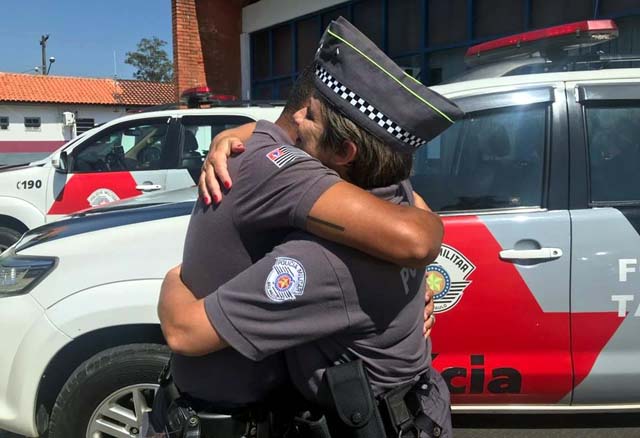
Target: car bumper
28	341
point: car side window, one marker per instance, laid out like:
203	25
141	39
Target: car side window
140	145
491	159
197	133
613	137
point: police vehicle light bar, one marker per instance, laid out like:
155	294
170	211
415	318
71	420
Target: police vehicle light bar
552	39
202	95
196	90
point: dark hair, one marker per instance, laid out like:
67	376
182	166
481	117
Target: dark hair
376	164
303	88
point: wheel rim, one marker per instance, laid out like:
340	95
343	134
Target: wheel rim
120	414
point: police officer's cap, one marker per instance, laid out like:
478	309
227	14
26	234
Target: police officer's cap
365	85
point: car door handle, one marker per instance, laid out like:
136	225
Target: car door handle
531	254
148	187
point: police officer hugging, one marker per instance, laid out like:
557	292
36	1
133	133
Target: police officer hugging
338	316
383	303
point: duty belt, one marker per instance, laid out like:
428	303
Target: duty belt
398	412
402	410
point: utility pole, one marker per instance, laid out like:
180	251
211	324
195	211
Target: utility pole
43	43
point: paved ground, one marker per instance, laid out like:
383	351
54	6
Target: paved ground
536	426
544	426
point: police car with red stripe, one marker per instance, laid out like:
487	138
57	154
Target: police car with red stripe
537	282
141	153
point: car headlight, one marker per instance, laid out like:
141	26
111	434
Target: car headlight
19	274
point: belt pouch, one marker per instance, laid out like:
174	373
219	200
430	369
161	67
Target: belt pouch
353	401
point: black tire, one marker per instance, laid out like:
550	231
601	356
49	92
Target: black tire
98	379
8	236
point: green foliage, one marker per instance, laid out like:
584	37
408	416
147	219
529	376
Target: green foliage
151	60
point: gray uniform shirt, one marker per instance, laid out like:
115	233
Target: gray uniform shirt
275	186
318	302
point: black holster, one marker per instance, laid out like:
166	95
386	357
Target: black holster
309	426
355	414
404	408
178	415
171	415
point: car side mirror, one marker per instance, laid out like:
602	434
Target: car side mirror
60	164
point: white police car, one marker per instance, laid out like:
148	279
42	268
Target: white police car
132	155
536	284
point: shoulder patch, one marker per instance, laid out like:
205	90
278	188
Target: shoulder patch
286	280
284	155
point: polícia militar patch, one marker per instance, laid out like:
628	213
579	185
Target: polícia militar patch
283	155
447	278
102	196
286	280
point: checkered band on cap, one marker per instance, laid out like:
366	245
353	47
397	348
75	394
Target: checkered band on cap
368	110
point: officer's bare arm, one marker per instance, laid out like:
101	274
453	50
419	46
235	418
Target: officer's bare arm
183	320
345	213
403	235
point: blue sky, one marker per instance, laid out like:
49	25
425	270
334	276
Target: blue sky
83	34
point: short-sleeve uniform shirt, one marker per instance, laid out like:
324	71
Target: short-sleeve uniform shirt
321	303
275	186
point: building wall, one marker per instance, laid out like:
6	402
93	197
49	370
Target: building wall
267	13
256	48
219	25
428	38
20	144
188	61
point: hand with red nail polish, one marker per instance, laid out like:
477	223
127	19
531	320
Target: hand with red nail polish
215	173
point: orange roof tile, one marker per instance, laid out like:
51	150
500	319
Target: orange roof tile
147	93
16	87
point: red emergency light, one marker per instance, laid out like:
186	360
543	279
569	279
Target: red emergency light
203	89
559	38
202	95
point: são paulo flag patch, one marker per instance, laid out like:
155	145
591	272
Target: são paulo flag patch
284	155
286	280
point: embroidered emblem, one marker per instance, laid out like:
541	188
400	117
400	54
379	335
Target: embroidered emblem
447	278
284	155
101	197
286	280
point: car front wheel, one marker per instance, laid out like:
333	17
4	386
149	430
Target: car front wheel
107	395
8	236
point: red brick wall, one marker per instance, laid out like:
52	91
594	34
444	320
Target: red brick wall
188	62
220	25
